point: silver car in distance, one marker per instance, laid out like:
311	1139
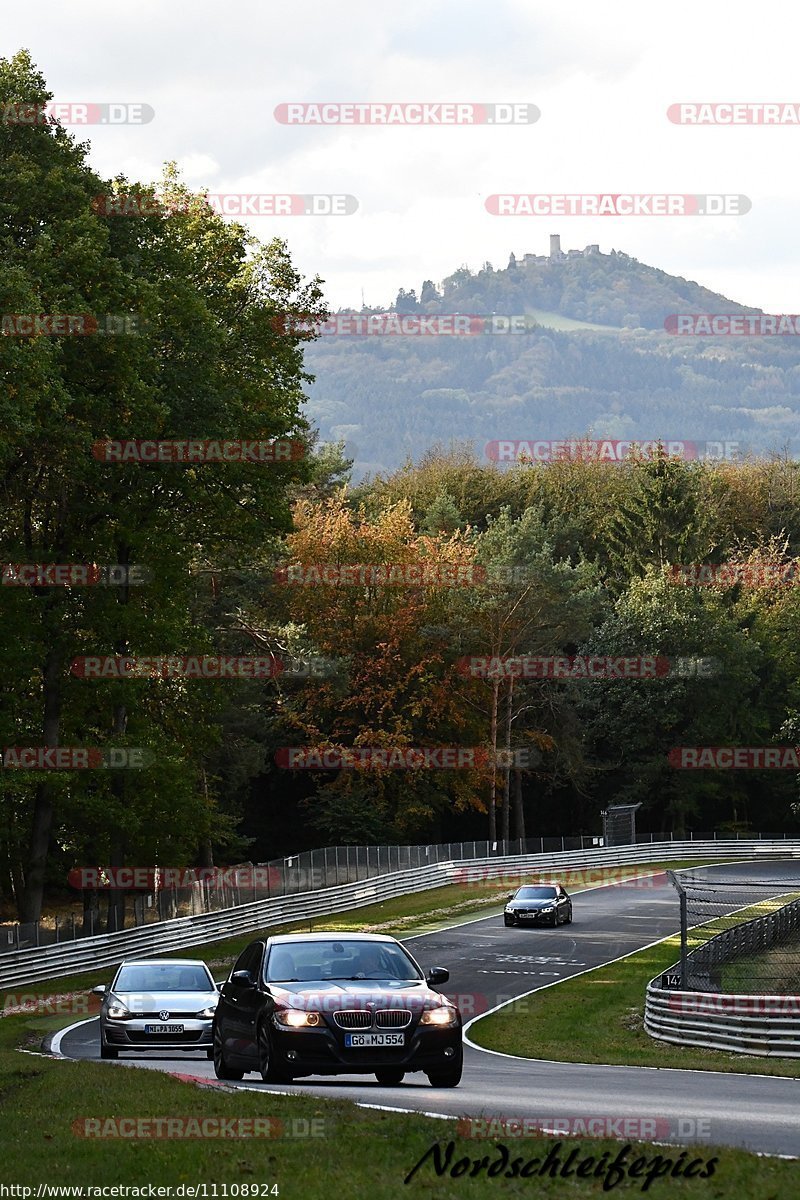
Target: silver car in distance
158	1004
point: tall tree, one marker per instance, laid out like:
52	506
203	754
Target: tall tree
530	604
210	358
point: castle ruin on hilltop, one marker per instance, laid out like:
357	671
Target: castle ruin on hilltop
556	253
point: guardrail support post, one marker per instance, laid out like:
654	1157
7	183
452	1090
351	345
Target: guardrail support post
684	964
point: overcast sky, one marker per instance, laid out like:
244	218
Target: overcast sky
603	77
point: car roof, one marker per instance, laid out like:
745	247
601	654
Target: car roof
335	936
163	962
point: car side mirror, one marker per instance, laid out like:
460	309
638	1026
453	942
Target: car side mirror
242	978
511	895
220	986
100	990
437	975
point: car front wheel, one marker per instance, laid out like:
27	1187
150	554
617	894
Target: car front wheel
221	1068
449	1076
390	1076
108	1051
508	920
266	1063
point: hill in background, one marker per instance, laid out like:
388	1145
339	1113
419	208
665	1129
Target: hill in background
595	360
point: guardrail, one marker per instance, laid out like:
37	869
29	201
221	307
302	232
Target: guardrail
202	891
765	1025
88	954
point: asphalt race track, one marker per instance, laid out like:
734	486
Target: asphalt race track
490	964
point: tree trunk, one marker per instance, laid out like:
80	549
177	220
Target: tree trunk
205	851
493	776
115	916
91	913
31	898
506	824
519	811
116	897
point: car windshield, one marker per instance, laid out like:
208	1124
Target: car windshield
536	893
163	978
304	962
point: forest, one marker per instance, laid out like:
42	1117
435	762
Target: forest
367	599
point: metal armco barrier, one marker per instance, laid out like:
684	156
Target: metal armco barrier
90	953
747	1024
766	1025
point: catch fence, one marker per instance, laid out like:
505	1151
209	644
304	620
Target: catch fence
740	935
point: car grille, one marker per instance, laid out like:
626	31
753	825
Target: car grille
392	1018
353	1018
173	1016
384	1018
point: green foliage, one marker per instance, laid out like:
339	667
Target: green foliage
206	361
575	554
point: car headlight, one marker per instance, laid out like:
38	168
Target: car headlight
550	909
117	1011
295	1018
443	1015
206	1013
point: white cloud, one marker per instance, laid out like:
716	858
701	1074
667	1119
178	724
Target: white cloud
603	77
196	169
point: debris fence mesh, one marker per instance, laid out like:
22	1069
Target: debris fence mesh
741	935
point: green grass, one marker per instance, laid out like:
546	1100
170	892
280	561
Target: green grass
554	320
598	1017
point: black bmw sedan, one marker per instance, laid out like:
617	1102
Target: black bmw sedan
335	1004
538	904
